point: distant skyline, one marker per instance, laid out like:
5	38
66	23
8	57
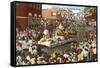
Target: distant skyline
45	6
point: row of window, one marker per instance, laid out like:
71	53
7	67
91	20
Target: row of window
36	6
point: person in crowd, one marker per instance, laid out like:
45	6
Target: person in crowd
60	33
45	40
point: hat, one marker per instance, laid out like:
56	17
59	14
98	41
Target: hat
46	32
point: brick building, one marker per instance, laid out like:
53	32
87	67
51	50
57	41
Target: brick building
22	10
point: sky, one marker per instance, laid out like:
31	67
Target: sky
45	6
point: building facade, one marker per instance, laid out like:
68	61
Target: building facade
22	11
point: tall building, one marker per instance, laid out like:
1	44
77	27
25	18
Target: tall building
55	13
22	11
